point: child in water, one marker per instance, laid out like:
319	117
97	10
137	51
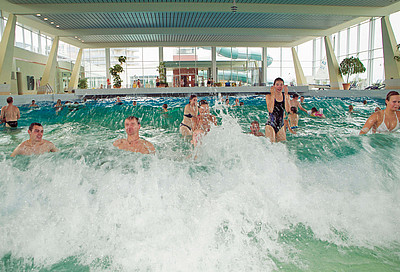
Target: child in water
316	113
293	118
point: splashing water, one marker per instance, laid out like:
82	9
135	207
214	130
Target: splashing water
327	199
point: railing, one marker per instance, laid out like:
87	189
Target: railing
46	89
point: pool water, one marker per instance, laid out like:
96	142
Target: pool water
325	200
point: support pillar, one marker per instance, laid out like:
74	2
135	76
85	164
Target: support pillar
335	77
73	83
7	52
392	67
214	64
300	78
264	66
50	69
108	65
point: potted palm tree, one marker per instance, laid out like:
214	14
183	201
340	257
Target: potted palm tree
116	70
162	71
350	66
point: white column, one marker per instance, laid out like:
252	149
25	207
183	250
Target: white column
335	77
264	66
392	67
7	50
50	69
73	83
300	78
108	65
214	63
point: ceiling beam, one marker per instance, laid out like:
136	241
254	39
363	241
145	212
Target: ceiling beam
30	9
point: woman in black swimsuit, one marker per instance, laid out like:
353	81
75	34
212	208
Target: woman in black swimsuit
191	110
277	103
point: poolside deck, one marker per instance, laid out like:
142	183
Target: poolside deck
200	91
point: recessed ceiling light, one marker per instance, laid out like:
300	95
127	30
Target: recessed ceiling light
38	15
52	23
57	26
76	37
45	18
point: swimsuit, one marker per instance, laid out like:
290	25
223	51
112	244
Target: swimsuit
188	115
182	124
383	128
276	116
12	123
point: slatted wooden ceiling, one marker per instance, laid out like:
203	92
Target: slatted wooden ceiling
102	23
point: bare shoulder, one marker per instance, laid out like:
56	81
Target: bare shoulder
119	142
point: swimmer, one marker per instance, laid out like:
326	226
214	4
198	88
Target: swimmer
316	113
133	142
203	122
35	145
227	101
386	120
277	103
236	103
301	99
165	107
365	102
255	129
134	103
10	114
293	118
351	109
295	103
191	110
119	101
58	105
241	104
33	105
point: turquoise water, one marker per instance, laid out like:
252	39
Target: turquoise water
326	200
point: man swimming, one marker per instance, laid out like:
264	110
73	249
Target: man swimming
33	105
10	114
133	142
35	145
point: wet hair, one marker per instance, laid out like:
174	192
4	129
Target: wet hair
133	118
241	103
10	100
203	102
390	94
293	109
351	107
365	102
278	79
33	100
295	95
192	96
34	124
314	109
165	106
255	122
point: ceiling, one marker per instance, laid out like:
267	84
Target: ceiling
122	23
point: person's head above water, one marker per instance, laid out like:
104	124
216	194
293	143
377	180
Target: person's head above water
254	127
278	84
165	106
132	125
193	99
295	96
314	109
392	100
293	109
203	106
35	132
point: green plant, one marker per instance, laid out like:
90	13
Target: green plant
162	70
351	66
82	84
116	70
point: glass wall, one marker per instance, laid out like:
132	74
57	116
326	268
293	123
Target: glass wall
94	63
